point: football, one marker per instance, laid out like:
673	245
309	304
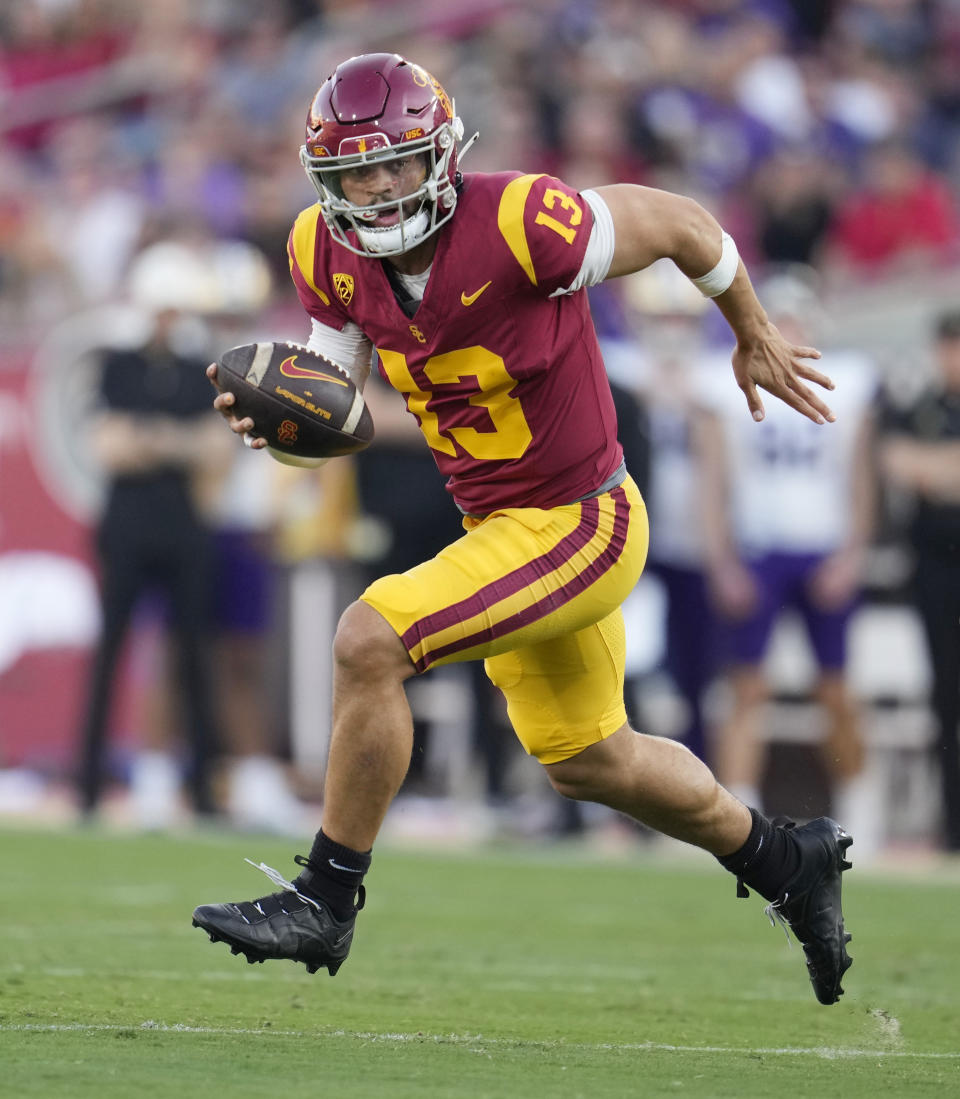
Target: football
301	403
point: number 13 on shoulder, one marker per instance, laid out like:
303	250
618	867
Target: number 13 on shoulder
560	201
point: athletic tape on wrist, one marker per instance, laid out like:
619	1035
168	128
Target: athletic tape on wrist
718	279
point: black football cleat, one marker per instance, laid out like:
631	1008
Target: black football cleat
809	904
288	924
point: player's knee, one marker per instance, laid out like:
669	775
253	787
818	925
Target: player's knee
575	780
576	791
366	647
597	772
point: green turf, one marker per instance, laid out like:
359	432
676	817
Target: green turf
505	973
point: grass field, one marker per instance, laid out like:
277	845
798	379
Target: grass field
527	972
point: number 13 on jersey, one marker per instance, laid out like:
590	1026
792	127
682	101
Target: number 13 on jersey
511	434
558	200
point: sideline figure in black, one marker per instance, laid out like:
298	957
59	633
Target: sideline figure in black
152	437
921	453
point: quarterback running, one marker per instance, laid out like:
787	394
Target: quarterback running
469	290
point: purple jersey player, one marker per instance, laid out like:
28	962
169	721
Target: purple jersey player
789	516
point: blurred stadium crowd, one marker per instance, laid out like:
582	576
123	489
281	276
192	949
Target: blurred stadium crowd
822	133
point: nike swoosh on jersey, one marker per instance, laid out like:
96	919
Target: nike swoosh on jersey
469	299
290	370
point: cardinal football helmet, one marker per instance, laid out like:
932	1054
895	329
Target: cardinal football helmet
374	109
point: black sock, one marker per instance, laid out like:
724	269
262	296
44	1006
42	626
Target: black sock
769	858
334	874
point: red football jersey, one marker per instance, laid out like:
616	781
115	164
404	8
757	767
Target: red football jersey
507	383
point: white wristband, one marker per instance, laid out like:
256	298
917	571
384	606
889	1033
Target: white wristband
717	280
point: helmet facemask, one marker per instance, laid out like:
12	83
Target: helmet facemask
419	214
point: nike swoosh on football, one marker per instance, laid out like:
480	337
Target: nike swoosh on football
289	369
469	299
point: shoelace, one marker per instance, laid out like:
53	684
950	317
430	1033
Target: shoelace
775	916
279	880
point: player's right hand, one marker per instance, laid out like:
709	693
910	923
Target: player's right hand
782	369
223	403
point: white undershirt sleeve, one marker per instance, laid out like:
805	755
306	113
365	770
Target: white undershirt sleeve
348	348
599	253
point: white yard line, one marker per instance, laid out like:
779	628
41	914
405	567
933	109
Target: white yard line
472	1040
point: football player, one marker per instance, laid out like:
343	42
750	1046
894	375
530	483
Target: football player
471	289
789	512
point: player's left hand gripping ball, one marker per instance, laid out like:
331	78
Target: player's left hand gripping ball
302	404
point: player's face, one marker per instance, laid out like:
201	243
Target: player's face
387	181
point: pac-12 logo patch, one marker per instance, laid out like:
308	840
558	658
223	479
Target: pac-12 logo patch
343	284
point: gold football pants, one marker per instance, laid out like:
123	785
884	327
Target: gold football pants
536	594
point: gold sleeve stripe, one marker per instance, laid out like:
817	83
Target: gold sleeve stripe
304	246
510	221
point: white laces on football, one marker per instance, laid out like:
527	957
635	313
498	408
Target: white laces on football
773	914
279	880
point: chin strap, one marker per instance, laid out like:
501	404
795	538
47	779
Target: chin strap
394	236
